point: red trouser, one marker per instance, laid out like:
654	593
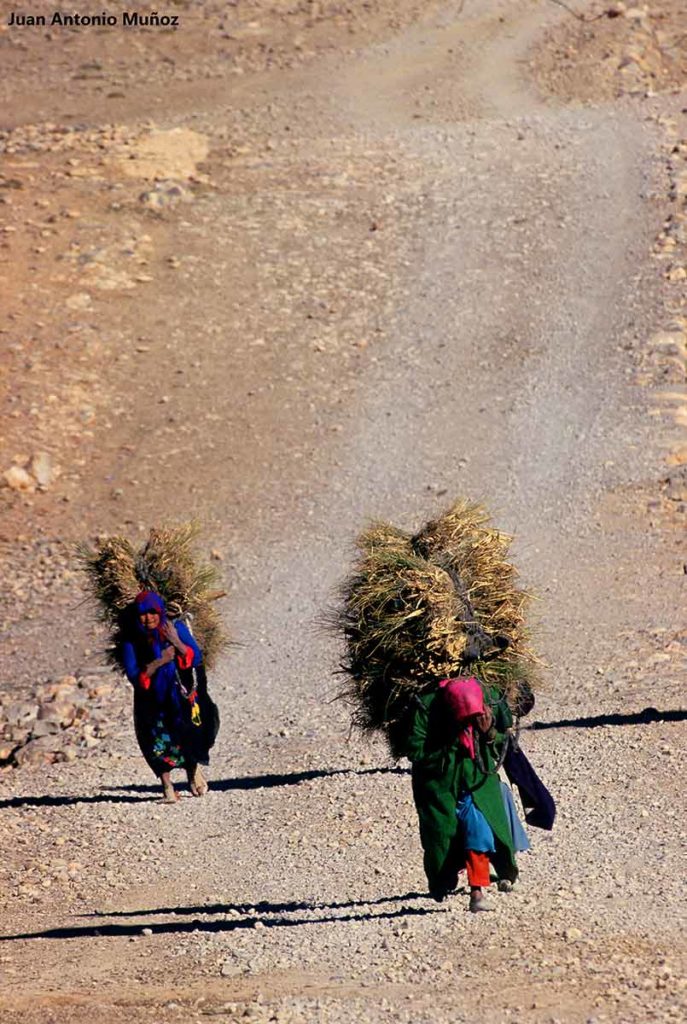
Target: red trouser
477	865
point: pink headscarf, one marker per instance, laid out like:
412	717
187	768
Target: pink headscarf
464	698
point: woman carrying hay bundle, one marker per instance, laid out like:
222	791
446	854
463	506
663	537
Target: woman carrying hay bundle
146	598
169	707
456	740
438	659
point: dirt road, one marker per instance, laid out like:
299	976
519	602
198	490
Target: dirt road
404	264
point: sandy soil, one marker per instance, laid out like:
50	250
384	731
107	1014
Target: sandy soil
286	268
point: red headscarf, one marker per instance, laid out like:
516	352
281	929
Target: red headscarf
465	699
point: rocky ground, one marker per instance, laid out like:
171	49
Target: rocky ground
288	267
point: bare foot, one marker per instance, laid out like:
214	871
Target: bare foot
169	793
196	781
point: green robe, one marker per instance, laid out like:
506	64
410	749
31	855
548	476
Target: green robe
442	771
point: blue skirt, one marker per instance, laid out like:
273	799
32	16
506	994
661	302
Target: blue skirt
519	836
474	828
476	831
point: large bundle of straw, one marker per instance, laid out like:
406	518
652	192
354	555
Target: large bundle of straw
168	564
417	609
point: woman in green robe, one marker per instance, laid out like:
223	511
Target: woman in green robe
456	735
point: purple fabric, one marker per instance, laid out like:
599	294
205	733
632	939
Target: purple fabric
537	802
149	601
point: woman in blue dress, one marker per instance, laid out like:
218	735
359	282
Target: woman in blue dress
171	714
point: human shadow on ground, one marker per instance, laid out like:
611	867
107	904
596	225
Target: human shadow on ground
262	907
197	925
49	800
128	794
268	781
644	717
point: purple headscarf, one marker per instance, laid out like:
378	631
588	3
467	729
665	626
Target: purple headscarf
149	601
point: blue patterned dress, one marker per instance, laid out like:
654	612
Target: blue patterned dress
164	715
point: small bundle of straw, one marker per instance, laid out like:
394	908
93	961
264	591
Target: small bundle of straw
168	564
417	609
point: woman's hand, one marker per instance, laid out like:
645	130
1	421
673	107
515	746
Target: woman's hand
169	631
484	721
164	659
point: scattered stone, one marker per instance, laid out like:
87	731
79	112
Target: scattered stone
229	969
18	479
17	713
68	717
18	736
101	690
79	301
675	484
63	712
164	195
45	727
678	457
39	751
42	469
110	279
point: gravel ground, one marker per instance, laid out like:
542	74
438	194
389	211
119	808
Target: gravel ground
401	273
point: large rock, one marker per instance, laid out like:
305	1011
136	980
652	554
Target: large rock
43	750
61	712
21	713
45	727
